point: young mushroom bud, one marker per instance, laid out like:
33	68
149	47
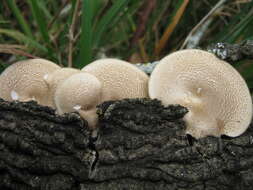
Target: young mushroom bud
56	78
24	81
216	95
80	92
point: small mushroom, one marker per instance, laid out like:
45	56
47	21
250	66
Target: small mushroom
23	81
80	92
102	80
56	78
216	95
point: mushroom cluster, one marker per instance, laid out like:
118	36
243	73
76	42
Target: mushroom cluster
215	94
102	80
68	90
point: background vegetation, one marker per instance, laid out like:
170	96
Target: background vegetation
75	32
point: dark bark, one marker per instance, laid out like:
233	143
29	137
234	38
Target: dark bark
41	150
140	145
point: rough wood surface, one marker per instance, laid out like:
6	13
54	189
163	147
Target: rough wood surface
41	150
233	52
140	145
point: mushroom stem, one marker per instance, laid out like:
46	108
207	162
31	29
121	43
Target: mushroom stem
193	103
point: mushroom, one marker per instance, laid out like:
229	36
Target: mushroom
80	92
102	80
120	79
216	95
23	81
56	78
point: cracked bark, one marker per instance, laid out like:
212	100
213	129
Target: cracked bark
140	145
41	150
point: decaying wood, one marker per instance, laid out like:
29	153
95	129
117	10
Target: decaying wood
41	150
233	52
140	145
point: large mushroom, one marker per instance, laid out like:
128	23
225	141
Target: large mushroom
216	95
23	81
102	80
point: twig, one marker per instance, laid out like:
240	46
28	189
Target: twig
193	42
158	20
16	52
71	33
11	46
210	14
166	35
77	36
144	55
144	13
57	14
241	1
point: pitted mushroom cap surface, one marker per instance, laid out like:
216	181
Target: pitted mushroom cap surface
120	79
216	95
56	78
23	81
80	92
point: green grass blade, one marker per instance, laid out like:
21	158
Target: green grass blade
237	21
20	37
126	16
86	34
105	21
240	27
45	10
40	20
23	24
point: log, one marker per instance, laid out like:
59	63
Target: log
140	145
42	150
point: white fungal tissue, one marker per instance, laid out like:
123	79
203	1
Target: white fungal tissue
216	95
24	81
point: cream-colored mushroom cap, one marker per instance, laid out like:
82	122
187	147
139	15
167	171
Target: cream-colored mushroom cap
216	95
80	92
56	78
24	81
120	79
